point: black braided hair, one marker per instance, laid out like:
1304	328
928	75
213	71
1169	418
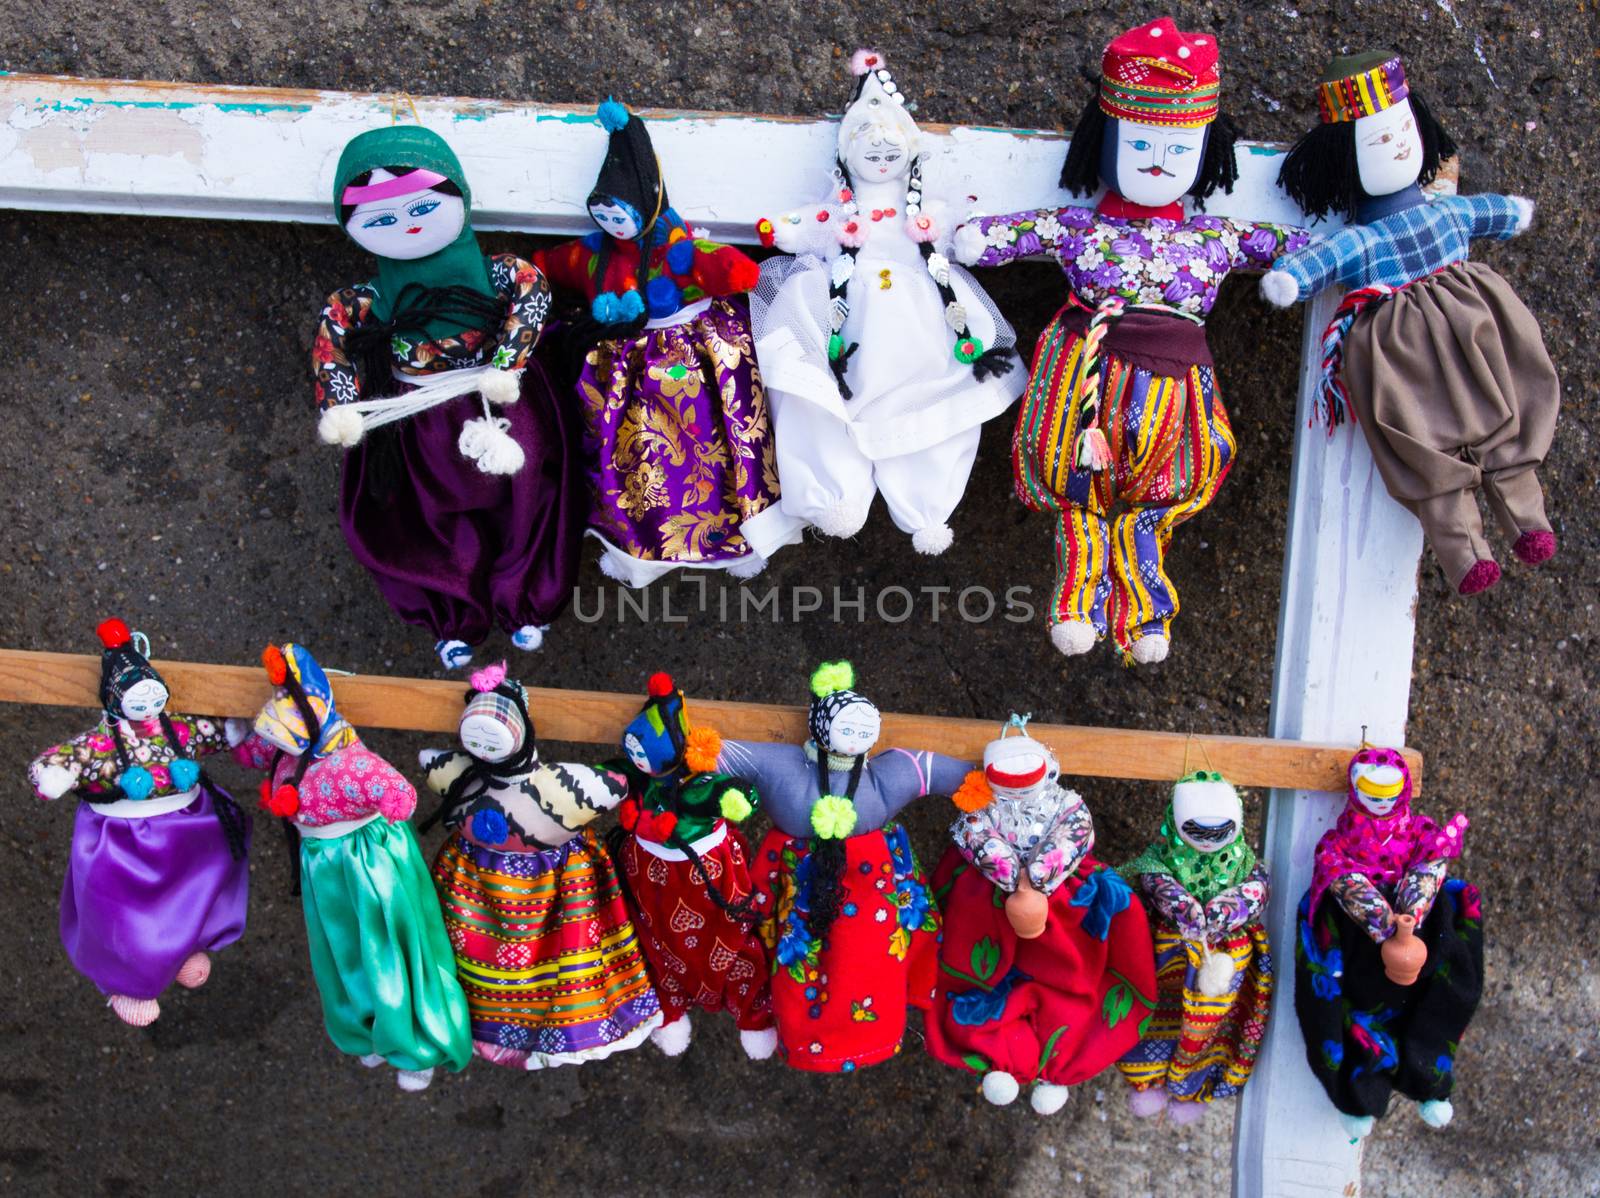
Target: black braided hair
1321	175
301	765
826	884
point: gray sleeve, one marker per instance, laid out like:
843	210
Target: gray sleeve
781	775
903	775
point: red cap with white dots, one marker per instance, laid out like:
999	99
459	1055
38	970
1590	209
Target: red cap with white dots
1156	75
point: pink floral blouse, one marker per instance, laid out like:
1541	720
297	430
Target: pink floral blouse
350	783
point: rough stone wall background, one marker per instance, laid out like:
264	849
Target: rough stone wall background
162	465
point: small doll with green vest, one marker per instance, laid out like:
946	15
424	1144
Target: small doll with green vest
461	492
1206	894
685	869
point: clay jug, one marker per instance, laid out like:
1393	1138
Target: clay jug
1403	954
1027	909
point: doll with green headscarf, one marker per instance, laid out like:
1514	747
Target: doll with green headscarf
1206	893
461	490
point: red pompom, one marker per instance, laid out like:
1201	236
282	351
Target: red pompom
743	275
666	824
266	794
113	633
285	801
277	668
627	813
660	685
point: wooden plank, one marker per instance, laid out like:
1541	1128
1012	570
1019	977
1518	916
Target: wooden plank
1345	632
431	705
247	153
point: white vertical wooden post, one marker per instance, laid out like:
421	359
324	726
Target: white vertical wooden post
1346	621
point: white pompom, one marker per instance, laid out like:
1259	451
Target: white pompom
1216	975
759	1045
1279	288
486	442
236	731
529	637
748	566
672	1038
1073	637
999	1087
933	540
53	781
969	244
1524	207
502	387
340	426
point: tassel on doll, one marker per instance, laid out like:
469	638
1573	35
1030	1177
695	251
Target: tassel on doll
379	952
686	872
1213	967
677	432
1051	983
1389	959
460	492
545	951
1122	434
844	904
1433	355
882	357
159	876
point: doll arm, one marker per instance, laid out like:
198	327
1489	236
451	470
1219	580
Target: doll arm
200	735
1068	840
442	767
806	230
1496	216
1364	903
991	854
1175	904
714	268
255	752
779	774
1262	243
570	266
336	380
1419	887
527	294
998	240
60	769
1336	259
1238	905
392	796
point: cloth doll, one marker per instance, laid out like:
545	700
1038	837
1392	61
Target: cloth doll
686	874
677	432
466	521
158	876
379	951
881	356
1122	434
1213	967
1389	960
545	951
843	902
1046	971
1435	356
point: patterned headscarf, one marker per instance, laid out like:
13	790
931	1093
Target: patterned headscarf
282	720
662	725
831	694
1382	848
1204	875
503	700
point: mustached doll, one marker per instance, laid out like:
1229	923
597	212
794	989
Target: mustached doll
1213	967
882	358
545	951
1435	356
1046	971
465	501
676	424
1389	960
158	876
686	870
379	951
1122	434
843	901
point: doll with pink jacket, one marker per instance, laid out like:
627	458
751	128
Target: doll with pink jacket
379	951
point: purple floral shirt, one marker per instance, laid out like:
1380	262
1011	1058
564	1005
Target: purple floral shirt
1177	263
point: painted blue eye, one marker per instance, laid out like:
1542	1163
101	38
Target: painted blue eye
1179	149
380	221
423	207
1140	144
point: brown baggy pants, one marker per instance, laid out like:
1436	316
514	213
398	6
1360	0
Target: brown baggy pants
1452	385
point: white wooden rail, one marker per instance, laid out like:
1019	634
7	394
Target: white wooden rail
1349	581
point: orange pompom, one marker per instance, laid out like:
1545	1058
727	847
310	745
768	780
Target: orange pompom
973	794
277	668
660	685
113	633
702	749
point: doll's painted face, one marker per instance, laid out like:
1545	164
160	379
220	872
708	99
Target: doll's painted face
634	748
1388	150
407	226
1208	812
877	154
1151	164
854	730
616	217
1378	785
486	738
144	700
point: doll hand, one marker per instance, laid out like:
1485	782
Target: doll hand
501	387
340	426
236	731
969	244
397	803
788	231
1524	207
1280	288
53	781
1027	910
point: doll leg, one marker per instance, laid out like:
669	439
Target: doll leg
922	489
826	480
135	1012
1454	529
1082	583
1517	501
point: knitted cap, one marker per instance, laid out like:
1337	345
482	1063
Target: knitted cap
121	666
1155	75
1358	85
831	694
631	171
